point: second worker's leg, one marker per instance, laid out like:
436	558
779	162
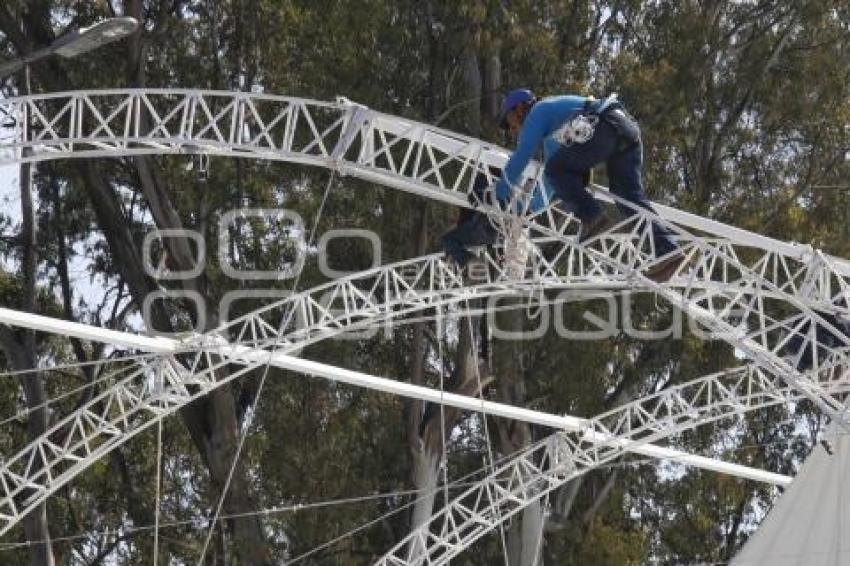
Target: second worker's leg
567	171
476	231
569	187
624	176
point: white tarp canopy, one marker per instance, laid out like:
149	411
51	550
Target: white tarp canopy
810	523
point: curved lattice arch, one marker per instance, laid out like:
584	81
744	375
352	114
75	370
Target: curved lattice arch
144	394
563	456
585	444
752	272
737	278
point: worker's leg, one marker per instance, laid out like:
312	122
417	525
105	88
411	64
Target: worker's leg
566	170
624	177
477	231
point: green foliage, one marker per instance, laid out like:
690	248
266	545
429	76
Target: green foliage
610	546
744	108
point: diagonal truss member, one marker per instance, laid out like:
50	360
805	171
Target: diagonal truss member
763	296
145	392
773	301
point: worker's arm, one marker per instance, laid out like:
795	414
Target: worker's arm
541	196
530	138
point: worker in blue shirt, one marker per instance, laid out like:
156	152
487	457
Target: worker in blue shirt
577	133
474	227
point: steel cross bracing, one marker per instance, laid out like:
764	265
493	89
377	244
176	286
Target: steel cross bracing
157	388
755	274
768	298
743	304
145	392
392	151
562	456
353	139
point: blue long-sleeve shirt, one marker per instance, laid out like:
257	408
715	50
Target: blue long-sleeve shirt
541	126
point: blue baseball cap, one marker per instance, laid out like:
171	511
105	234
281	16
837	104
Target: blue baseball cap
513	99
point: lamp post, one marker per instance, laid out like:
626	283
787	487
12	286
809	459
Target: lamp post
76	42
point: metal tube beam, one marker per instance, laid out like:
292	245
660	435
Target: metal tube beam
251	355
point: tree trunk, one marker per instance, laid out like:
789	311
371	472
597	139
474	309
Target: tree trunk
425	461
426	429
204	417
471	101
426	468
437	424
212	422
492	83
524	537
21	355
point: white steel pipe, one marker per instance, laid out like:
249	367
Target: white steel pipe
242	353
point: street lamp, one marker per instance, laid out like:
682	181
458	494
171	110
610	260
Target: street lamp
77	41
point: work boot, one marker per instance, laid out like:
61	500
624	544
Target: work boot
662	271
593	227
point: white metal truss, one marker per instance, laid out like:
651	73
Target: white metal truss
754	275
773	301
561	457
137	400
158	388
143	392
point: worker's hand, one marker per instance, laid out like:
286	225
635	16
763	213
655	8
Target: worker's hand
503	190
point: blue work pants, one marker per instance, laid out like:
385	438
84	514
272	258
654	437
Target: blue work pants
615	142
476	231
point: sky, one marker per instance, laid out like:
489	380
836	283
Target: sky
10	206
